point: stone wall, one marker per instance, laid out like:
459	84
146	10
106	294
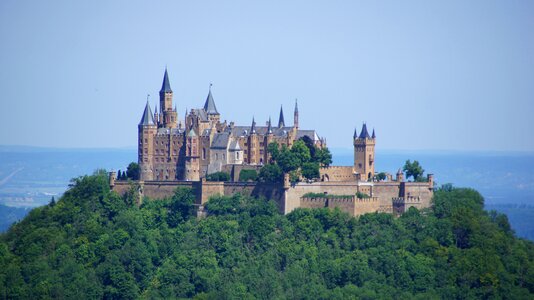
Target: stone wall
336	173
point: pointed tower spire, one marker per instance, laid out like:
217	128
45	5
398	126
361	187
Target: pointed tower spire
253	127
269	128
209	105
148	117
296	115
281	122
373	136
355	136
165	86
364	134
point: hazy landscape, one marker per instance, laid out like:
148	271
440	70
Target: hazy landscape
31	176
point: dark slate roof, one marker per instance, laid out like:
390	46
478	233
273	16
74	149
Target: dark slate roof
174	131
355	132
234	146
220	140
281	122
148	117
165	86
209	106
269	128
202	113
296	107
373	135
310	133
277	132
364	134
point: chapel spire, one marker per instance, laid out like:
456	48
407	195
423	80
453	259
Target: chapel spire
281	122
165	86
209	105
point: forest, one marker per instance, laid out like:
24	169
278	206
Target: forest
92	243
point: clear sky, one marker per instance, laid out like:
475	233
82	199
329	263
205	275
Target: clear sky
432	75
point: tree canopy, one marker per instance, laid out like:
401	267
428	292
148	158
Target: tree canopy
94	243
413	169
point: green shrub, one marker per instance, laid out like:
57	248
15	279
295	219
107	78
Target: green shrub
218	176
248	175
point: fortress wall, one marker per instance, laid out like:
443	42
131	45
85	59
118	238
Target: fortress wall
344	204
313	202
386	191
337	173
419	189
165	189
295	192
156	189
366	205
210	188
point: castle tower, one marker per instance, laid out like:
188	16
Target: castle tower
146	132
364	153
253	147
192	164
168	116
211	109
267	140
281	122
296	116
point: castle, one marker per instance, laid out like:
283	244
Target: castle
181	153
201	144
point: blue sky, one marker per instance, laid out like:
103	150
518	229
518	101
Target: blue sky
449	75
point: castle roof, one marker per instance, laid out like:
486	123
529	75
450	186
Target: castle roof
165	86
296	107
355	132
209	106
281	122
148	117
234	146
364	134
220	140
191	133
373	135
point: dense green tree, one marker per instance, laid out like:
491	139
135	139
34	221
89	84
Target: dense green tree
133	171
287	160
301	152
218	176
96	244
271	173
273	149
248	175
310	170
413	169
323	156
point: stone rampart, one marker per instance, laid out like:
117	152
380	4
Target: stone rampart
337	173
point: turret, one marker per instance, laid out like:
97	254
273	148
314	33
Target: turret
268	139
364	153
211	109
146	132
296	116
253	147
168	115
192	163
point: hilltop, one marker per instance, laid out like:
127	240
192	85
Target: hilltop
92	243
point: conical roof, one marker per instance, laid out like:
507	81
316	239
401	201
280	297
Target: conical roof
148	117
364	134
209	106
355	133
373	135
165	86
281	122
269	128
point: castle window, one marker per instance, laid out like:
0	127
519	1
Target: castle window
237	155
203	153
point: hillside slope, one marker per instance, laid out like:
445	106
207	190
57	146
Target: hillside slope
94	244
